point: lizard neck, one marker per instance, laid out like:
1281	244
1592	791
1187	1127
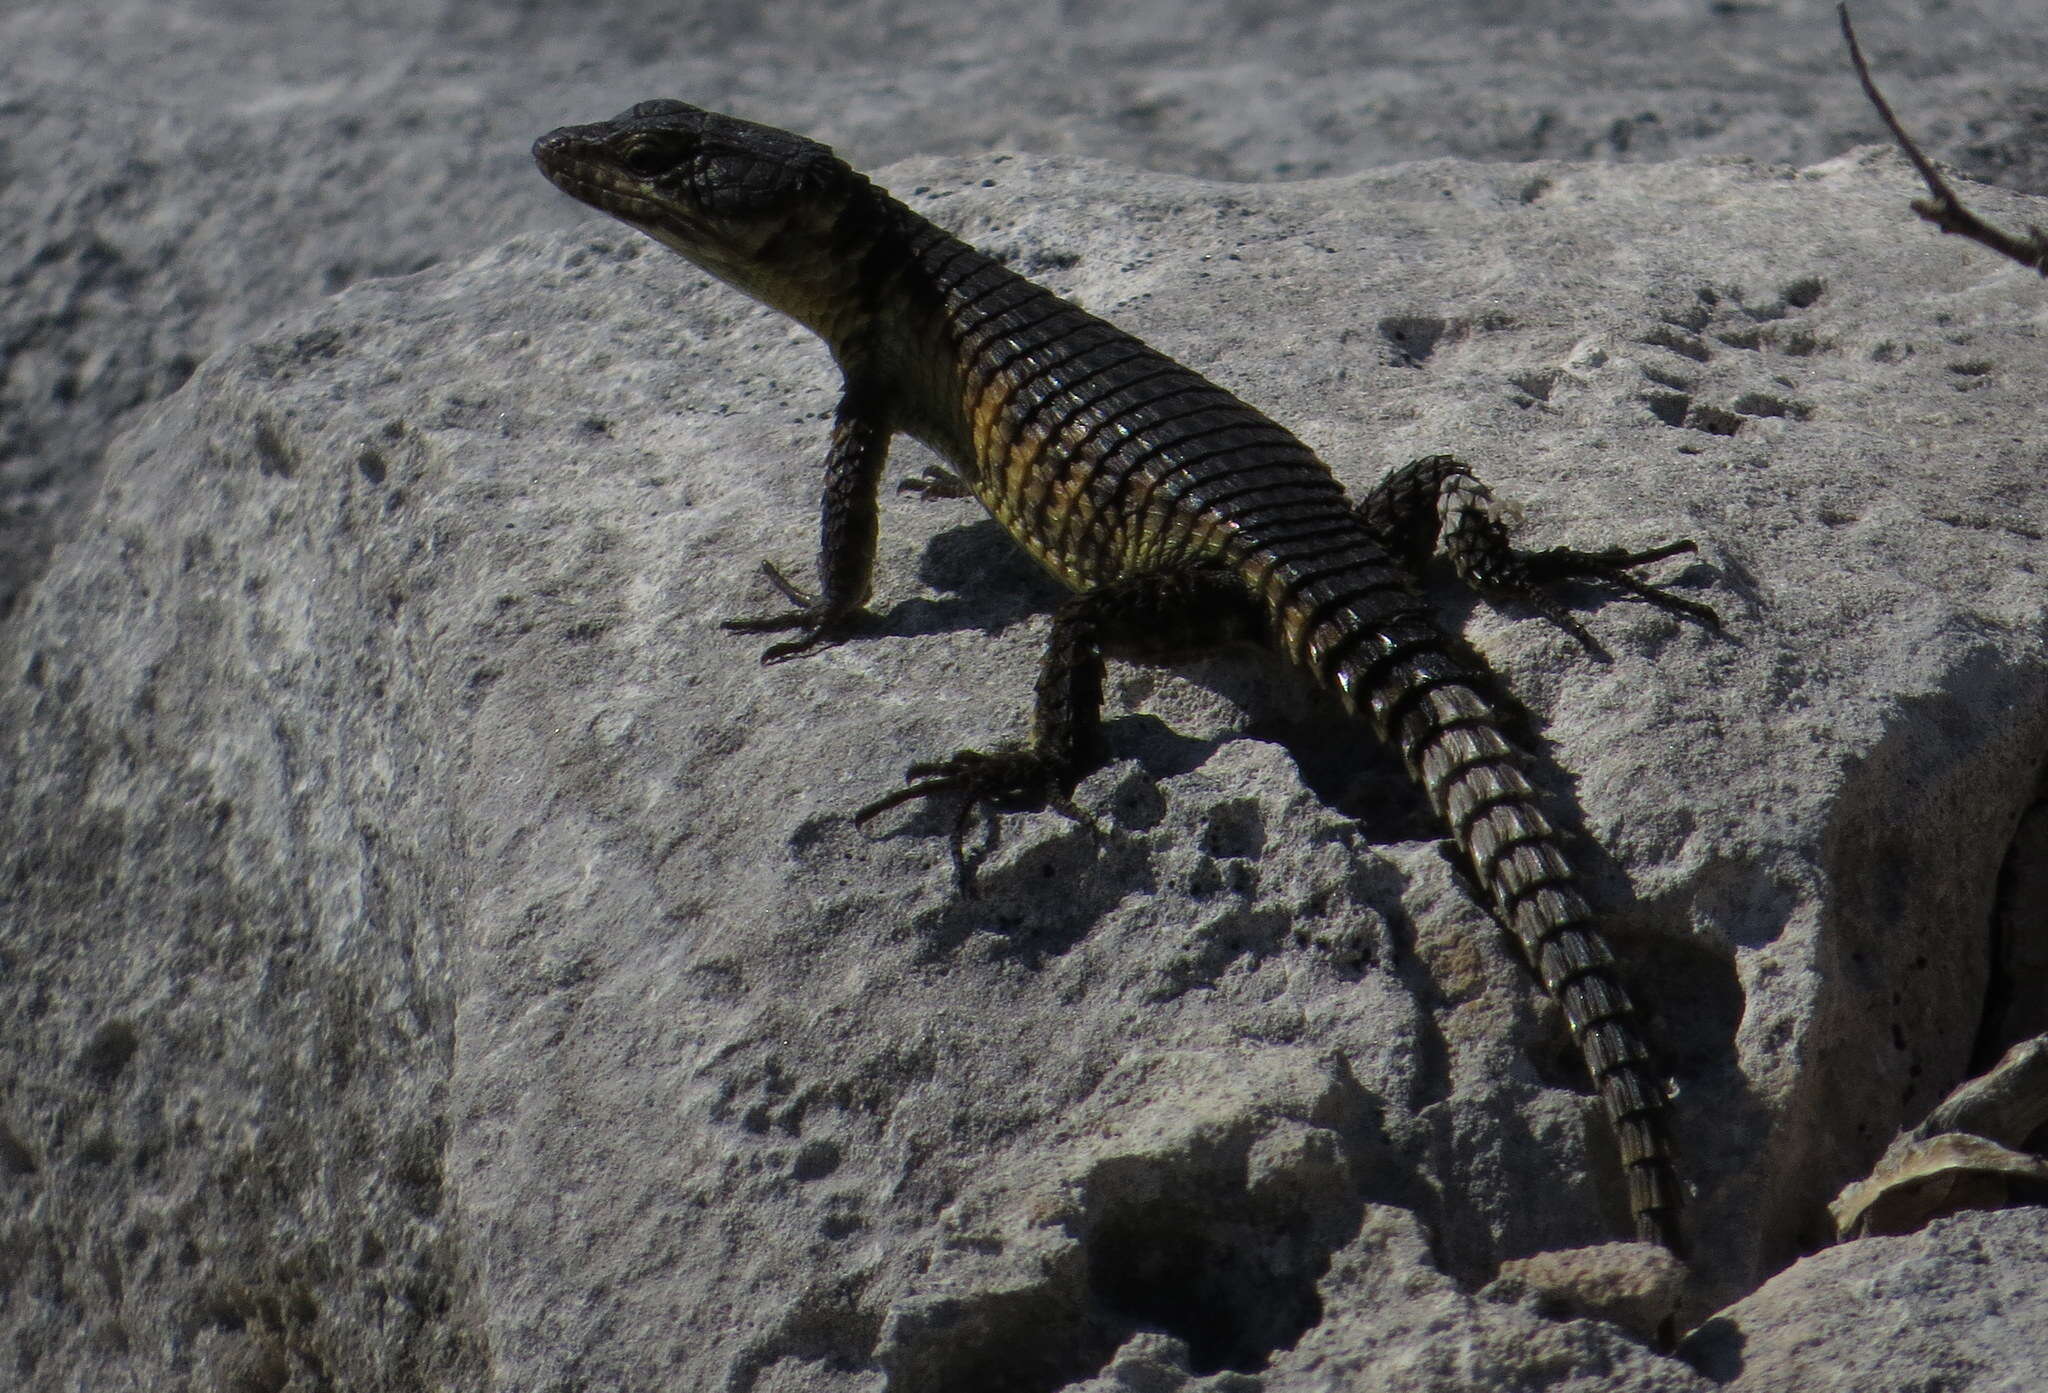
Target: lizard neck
835	266
941	309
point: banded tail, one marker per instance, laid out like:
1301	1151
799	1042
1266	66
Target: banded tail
1428	707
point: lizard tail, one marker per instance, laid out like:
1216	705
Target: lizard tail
1427	705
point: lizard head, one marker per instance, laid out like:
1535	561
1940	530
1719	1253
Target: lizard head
753	205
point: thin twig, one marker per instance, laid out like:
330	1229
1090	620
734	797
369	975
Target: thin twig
1944	210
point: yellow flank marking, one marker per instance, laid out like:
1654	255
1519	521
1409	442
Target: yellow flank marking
1207	540
1143	552
986	418
1070	497
1293	622
1016	478
1075	526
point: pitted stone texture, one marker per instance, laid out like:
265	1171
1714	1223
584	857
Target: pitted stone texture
1962	1305
439	955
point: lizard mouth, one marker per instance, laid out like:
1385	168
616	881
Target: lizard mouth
586	176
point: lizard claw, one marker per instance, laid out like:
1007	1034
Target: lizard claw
1540	568
822	625
933	482
1002	776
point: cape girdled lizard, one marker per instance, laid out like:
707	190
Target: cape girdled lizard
1175	513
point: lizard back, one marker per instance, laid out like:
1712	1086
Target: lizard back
1105	458
1112	464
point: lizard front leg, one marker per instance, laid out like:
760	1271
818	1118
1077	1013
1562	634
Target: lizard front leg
1439	498
847	529
1165	613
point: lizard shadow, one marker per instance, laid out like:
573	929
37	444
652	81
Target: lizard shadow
992	585
990	582
1692	998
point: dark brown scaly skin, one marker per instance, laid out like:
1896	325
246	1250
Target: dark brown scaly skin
1172	510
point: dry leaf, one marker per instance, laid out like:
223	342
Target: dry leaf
1921	1178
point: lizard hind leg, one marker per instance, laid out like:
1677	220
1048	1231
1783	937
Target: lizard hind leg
1167	612
1438	500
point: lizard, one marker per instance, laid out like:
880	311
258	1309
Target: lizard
1174	514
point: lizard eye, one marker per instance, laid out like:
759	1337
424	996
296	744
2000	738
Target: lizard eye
645	158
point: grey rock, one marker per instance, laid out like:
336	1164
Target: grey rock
1392	1323
1636	1285
1959	1305
437	955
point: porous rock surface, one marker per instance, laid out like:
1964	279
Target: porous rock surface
439	956
1962	1304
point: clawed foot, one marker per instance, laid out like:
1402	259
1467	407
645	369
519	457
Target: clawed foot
979	777
1536	569
822	624
933	482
